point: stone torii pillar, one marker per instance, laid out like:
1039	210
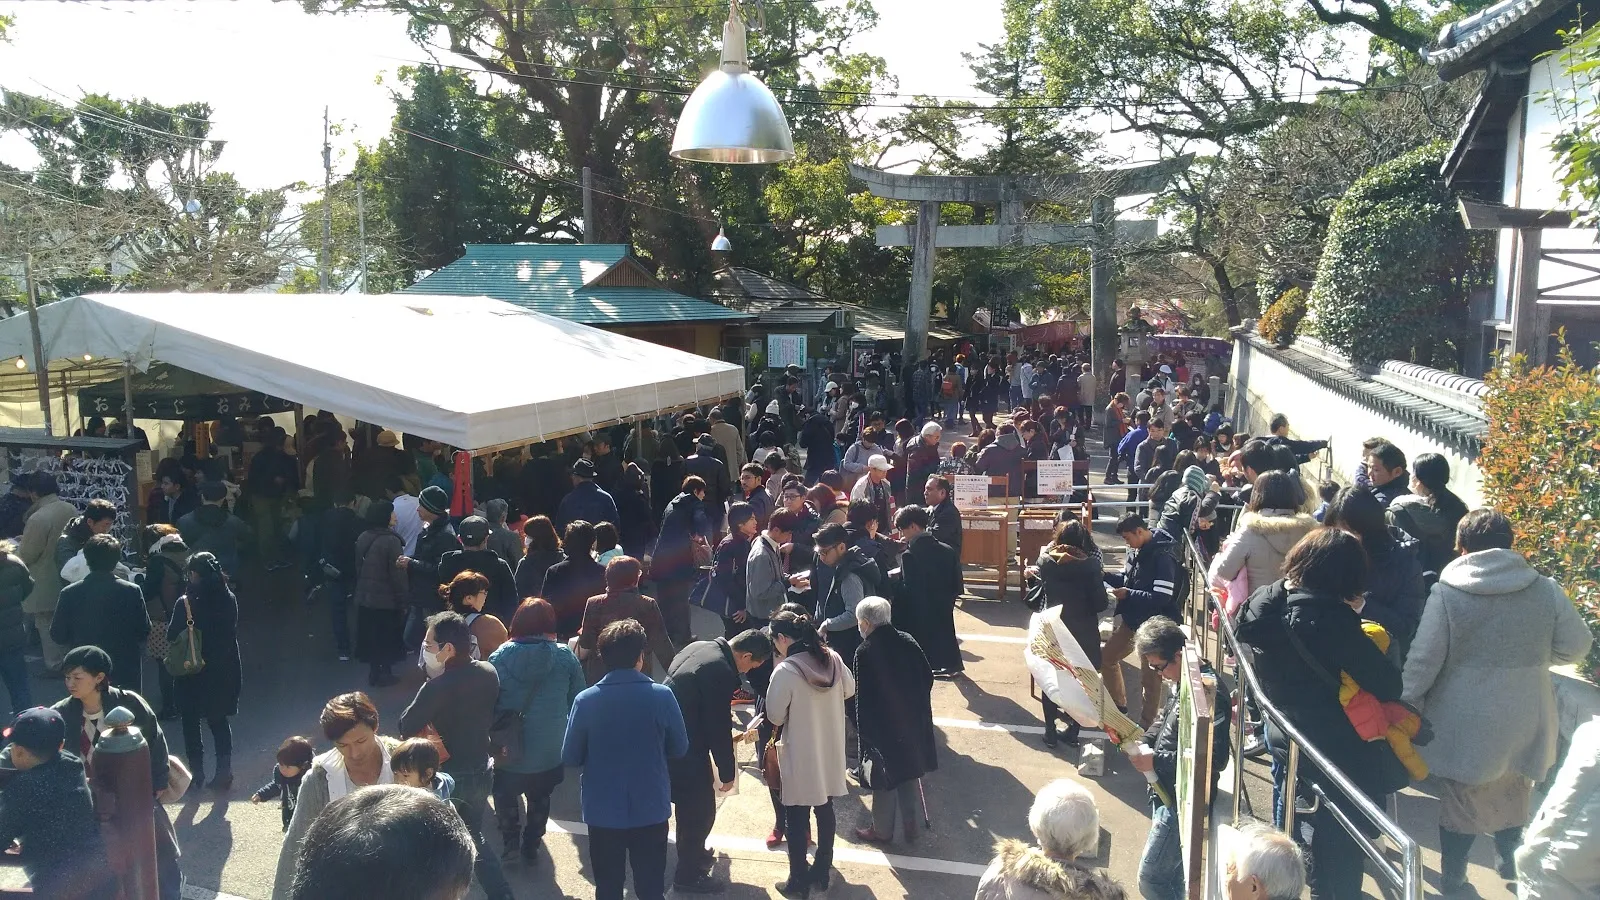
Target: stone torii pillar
1010	194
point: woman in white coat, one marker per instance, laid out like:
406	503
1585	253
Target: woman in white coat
806	700
1268	530
1479	672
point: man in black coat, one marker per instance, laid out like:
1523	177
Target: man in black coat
422	566
48	810
703	677
105	611
944	518
894	718
714	472
477	557
930	582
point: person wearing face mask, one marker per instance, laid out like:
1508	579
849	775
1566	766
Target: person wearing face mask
458	700
359	758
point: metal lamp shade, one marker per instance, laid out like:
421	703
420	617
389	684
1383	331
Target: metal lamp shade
721	244
732	118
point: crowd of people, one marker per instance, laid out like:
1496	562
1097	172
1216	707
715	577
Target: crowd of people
558	629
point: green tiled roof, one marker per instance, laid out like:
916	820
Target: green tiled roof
550	279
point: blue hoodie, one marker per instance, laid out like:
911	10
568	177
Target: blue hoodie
538	678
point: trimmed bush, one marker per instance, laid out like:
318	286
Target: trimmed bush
1282	319
1540	463
1398	265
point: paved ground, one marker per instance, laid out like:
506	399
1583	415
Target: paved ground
992	760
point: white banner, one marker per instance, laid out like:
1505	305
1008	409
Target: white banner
784	350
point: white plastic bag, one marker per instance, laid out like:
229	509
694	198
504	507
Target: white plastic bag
1065	688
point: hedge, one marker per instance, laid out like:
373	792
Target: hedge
1541	465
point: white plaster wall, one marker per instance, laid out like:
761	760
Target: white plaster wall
1262	386
1539	187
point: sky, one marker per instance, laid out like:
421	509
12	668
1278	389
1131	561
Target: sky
268	68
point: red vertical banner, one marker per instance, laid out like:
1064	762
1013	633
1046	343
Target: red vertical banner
461	503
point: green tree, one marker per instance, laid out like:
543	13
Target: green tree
1398	265
578	83
128	194
1577	146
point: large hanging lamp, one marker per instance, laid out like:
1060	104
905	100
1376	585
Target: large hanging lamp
732	117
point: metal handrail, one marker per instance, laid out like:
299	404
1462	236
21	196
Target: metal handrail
1407	876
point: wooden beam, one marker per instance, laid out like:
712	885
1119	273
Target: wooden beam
989	235
1479	216
1119	181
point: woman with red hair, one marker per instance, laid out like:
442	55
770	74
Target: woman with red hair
539	679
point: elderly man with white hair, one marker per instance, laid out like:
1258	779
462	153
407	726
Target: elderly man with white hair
1066	825
894	719
1263	864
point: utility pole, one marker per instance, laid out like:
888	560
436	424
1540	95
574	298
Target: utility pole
41	371
324	260
589	235
361	232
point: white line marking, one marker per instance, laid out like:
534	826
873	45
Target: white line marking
993	638
194	892
758	847
980	725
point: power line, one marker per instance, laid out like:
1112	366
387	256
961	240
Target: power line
539	176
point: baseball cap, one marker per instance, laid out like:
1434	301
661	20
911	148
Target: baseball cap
831	386
474	530
40	729
879	461
1166	370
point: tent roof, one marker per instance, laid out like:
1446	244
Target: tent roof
579	282
472	372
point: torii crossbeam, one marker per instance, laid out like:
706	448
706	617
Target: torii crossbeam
1010	194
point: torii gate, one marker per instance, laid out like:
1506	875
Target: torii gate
1010	194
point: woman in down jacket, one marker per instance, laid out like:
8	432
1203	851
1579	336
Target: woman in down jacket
1269	528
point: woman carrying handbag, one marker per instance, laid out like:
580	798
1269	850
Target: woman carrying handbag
204	661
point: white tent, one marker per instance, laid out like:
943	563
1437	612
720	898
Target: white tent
472	372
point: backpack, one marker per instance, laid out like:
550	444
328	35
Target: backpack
949	387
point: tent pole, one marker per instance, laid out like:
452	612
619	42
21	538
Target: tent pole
127	395
41	371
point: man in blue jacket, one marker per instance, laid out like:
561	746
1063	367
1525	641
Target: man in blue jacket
621	732
586	500
1151	583
1125	449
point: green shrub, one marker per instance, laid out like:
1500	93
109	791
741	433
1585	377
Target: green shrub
1282	319
1540	463
1398	265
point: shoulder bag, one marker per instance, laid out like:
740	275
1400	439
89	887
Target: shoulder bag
184	656
769	763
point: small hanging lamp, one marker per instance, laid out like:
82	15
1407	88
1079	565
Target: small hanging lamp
721	244
732	117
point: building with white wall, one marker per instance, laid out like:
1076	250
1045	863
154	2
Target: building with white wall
1548	273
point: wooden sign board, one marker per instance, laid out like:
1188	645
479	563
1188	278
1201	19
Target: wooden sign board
1194	767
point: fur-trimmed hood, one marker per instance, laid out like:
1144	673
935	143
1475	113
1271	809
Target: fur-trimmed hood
1280	528
1018	865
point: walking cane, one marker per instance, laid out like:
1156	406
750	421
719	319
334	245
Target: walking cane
927	823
